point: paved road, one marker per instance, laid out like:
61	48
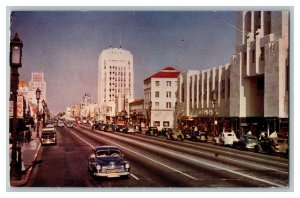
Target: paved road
156	162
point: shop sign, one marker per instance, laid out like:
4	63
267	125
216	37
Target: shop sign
11	109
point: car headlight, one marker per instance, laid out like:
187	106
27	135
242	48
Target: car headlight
127	166
98	167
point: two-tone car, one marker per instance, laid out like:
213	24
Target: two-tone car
108	161
48	135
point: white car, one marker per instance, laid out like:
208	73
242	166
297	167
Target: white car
60	124
225	138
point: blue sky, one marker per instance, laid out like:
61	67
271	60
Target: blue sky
66	45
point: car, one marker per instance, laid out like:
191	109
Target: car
48	135
108	128
131	130
199	136
152	131
108	161
70	124
273	145
165	130
187	134
60	123
225	138
122	128
246	142
175	134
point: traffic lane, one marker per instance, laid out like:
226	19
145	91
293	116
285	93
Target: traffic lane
185	164
145	173
273	162
60	167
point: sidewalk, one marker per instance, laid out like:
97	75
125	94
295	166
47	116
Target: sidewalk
29	154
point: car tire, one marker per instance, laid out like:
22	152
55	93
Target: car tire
256	149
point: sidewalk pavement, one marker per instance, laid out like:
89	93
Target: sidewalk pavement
29	154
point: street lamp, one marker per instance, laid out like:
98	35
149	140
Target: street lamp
214	99
44	111
15	61
150	106
38	96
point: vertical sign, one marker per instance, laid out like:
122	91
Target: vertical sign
20	107
11	109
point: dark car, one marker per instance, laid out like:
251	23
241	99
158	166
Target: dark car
165	130
199	136
152	131
108	128
187	134
107	161
246	142
273	145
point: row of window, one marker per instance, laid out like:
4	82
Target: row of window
168	83
168	94
168	105
165	123
253	56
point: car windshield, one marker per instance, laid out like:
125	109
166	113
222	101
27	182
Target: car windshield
108	153
49	126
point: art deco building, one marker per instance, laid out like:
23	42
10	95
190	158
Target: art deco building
252	91
115	81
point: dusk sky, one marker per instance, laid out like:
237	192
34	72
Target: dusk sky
66	46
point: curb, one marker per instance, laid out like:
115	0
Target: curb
24	180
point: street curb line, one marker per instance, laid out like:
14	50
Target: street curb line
28	172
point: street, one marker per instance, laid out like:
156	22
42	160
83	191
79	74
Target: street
155	162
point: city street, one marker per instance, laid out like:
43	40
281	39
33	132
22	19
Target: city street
155	162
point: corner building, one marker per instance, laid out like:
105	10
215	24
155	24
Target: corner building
253	88
115	81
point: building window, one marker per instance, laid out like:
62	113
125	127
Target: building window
168	83
168	94
260	86
253	56
157	94
262	53
223	88
228	88
166	123
168	105
157	123
157	83
182	93
157	104
244	58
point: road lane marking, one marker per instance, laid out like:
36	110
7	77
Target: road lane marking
135	177
201	162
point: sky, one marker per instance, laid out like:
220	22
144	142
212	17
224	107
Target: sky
66	45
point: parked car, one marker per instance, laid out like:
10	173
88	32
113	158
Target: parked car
199	136
187	134
108	128
164	131
225	138
152	131
273	145
48	135
108	161
122	128
246	142
131	130
175	134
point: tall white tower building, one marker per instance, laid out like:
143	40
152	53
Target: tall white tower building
115	81
38	81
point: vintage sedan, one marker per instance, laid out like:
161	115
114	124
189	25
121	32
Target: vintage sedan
225	138
152	131
199	136
48	135
273	145
175	134
107	161
246	142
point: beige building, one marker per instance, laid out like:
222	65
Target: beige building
252	91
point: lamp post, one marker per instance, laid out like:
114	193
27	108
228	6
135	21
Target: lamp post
149	120
15	61
38	96
44	111
214	99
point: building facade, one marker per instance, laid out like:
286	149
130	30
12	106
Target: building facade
160	92
137	112
115	81
252	91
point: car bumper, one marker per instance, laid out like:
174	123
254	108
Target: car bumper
111	175
48	141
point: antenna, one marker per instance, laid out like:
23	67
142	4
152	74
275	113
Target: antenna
110	40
